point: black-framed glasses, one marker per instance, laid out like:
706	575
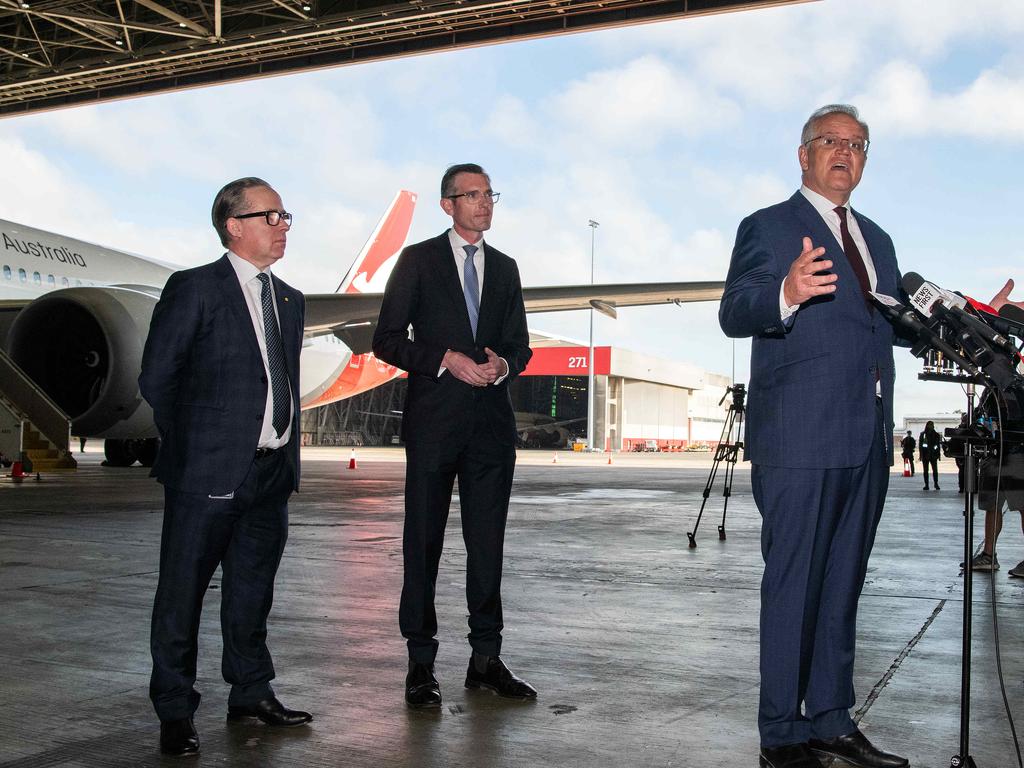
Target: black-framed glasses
857	146
273	217
475	196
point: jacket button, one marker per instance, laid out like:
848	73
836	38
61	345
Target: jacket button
263	379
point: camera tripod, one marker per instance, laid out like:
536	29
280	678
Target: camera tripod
729	446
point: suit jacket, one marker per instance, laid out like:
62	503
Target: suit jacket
203	374
812	387
424	291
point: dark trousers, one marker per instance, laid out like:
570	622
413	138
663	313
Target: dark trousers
933	463
484	469
245	536
817	531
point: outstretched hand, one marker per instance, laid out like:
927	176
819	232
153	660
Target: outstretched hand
1003	297
803	282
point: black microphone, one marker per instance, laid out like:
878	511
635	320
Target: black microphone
903	315
1014	317
930	300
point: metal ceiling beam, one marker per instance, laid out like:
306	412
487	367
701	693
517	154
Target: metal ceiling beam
243	39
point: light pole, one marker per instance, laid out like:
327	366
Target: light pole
590	362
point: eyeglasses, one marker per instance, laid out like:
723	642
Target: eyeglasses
273	217
856	146
476	196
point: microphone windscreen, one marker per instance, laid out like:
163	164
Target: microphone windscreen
912	282
1010	312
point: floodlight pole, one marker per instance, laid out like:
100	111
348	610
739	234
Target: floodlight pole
590	362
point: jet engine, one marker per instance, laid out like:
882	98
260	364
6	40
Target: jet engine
83	347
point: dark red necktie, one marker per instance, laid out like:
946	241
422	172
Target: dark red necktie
853	255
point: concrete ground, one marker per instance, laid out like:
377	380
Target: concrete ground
644	651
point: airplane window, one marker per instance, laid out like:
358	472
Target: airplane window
65	282
51	280
7	272
22	274
37	278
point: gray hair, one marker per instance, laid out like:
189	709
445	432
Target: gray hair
810	127
231	200
448	180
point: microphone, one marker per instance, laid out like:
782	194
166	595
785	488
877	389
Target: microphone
931	300
1014	317
903	315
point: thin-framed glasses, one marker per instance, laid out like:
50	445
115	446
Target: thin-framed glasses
857	146
475	196
273	217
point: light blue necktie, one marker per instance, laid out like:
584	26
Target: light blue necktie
472	287
279	387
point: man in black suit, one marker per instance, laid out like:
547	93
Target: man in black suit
221	371
464	301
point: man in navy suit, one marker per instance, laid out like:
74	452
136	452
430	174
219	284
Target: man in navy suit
221	371
464	301
818	435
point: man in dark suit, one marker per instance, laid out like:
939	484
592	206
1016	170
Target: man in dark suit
221	371
819	436
464	301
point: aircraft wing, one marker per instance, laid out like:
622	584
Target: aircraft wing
352	316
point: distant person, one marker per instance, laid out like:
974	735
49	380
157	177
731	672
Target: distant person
81	445
930	445
908	444
1006	475
224	345
463	299
819	436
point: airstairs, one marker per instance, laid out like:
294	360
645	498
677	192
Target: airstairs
32	426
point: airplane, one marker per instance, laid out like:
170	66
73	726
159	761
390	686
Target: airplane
75	316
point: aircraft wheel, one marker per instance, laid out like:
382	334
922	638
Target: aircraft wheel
145	450
119	453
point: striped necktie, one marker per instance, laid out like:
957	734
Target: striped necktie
472	287
279	389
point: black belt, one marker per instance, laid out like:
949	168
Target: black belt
262	453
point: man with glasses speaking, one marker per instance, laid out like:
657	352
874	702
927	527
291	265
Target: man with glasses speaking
819	436
463	299
221	372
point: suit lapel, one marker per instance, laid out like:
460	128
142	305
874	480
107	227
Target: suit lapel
490	287
287	312
231	290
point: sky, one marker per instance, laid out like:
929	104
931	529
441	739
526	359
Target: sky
667	134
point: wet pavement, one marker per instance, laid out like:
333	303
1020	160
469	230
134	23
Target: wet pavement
644	650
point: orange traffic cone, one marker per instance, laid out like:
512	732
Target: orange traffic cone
906	467
352	459
609	457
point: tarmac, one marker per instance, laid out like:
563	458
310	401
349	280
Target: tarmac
644	651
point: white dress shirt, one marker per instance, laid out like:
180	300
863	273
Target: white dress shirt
252	290
826	209
458	244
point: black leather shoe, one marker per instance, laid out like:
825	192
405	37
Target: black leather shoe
179	737
855	749
499	679
422	690
272	712
788	756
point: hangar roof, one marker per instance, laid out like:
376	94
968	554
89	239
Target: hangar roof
58	53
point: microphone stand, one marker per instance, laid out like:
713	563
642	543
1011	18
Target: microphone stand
963	757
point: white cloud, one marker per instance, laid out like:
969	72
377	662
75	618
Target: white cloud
639	103
990	107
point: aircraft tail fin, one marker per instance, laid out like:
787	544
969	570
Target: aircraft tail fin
387	239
